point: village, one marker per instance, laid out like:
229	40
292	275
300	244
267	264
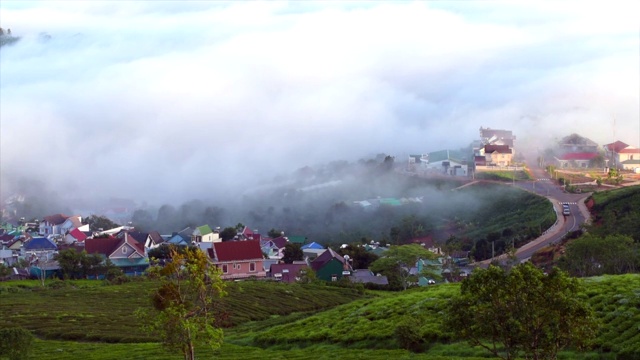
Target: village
29	248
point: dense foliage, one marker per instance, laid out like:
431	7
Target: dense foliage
617	212
523	312
592	255
185	304
80	265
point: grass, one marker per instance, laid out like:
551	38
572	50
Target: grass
503	175
370	323
91	311
361	328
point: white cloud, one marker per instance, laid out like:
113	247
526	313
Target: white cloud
177	99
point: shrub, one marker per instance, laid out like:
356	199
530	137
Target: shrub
408	335
16	343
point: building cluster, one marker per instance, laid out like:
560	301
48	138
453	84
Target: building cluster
248	255
495	149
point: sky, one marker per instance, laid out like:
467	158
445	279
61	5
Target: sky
169	101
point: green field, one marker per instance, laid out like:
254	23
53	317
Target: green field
85	319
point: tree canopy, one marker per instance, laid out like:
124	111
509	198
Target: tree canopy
398	261
184	305
292	252
523	312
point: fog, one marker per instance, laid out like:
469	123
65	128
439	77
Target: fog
163	102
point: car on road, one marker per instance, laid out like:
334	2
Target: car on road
566	210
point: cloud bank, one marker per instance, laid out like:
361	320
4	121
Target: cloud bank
168	101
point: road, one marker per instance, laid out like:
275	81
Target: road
544	186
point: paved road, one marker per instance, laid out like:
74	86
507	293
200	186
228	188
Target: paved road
544	186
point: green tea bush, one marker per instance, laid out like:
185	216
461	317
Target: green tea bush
408	335
16	343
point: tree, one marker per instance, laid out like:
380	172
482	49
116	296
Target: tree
184	305
360	257
70	262
591	255
274	233
523	312
142	220
292	252
97	222
398	260
228	233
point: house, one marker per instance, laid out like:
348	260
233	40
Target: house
366	276
312	245
155	239
15	244
447	162
428	243
73	222
8	257
204	234
423	265
52	224
126	253
274	248
330	266
575	143
575	160
75	235
238	259
40	244
622	156
490	136
248	234
182	238
115	230
497	155
300	240
288	273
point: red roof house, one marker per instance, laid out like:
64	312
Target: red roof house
238	259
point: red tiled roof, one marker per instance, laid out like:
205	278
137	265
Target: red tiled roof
629	151
616	146
56	219
237	250
578	156
78	235
104	246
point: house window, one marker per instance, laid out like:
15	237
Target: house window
236	266
252	267
225	268
124	250
334	278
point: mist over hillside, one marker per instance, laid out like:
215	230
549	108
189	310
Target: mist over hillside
166	102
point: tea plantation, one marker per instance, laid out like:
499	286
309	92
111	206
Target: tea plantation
90	320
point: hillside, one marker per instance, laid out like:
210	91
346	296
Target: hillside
370	323
286	324
89	311
616	212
